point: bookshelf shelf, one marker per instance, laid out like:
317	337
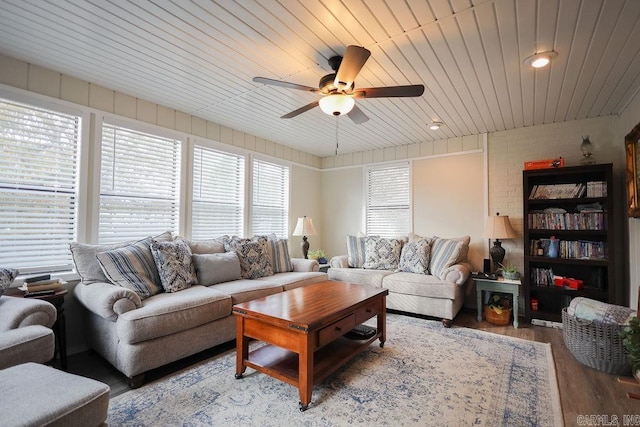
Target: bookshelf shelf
585	227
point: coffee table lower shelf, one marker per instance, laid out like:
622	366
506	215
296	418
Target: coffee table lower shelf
282	364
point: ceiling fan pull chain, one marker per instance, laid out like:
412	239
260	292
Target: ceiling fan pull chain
337	124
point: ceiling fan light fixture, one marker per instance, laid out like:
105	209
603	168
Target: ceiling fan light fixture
541	59
435	125
337	104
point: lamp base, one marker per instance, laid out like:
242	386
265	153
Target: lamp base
305	247
497	253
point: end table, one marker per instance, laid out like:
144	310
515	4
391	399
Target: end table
498	285
60	327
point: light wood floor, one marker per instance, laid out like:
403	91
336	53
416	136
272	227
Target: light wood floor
583	391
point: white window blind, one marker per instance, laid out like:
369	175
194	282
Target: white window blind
38	194
270	208
218	194
139	184
388	196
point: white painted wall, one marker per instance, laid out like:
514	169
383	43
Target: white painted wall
628	120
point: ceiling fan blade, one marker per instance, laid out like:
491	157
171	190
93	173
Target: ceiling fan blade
352	62
289	85
389	91
300	110
357	115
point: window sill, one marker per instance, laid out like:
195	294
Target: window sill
67	276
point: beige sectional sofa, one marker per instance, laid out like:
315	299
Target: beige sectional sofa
136	334
429	281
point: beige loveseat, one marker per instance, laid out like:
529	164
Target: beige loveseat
136	334
428	278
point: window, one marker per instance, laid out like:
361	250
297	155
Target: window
218	193
139	184
38	187
388	197
270	207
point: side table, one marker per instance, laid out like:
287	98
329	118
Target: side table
60	327
324	268
498	285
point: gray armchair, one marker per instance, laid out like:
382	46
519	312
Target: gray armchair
25	331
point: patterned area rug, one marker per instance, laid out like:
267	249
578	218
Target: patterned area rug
425	375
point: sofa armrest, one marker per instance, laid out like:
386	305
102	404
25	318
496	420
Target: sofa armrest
16	312
339	261
107	300
457	273
33	343
305	265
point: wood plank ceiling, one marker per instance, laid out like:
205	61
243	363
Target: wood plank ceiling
199	57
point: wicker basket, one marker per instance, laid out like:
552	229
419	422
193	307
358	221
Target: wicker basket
596	344
494	318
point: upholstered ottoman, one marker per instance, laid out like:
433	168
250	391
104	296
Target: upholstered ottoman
38	395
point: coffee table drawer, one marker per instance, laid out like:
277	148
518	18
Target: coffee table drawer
336	330
368	311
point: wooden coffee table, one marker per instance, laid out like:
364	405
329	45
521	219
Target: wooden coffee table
304	329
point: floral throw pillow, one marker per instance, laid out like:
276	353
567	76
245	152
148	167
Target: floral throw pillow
381	253
254	260
415	256
174	264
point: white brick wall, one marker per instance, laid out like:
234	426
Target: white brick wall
508	150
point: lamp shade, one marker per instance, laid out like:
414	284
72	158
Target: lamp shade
337	105
499	227
304	227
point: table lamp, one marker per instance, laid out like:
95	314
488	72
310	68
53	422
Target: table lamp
498	227
305	228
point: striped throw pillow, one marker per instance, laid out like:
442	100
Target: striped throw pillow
280	258
444	254
355	251
132	267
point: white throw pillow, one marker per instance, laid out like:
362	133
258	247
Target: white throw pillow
415	256
381	253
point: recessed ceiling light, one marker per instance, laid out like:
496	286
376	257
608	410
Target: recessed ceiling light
541	59
435	125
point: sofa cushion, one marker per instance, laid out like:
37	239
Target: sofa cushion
355	251
444	253
291	280
87	266
381	253
253	255
165	314
425	285
173	262
359	275
210	246
415	256
245	290
216	268
132	267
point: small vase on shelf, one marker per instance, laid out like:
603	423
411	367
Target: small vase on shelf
553	248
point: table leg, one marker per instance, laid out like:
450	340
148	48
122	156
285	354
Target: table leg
479	296
242	348
382	322
61	337
515	309
305	372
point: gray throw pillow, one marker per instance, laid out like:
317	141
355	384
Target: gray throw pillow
216	268
173	261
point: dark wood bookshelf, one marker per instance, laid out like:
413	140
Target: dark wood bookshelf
599	276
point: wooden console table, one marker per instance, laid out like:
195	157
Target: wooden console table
304	329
